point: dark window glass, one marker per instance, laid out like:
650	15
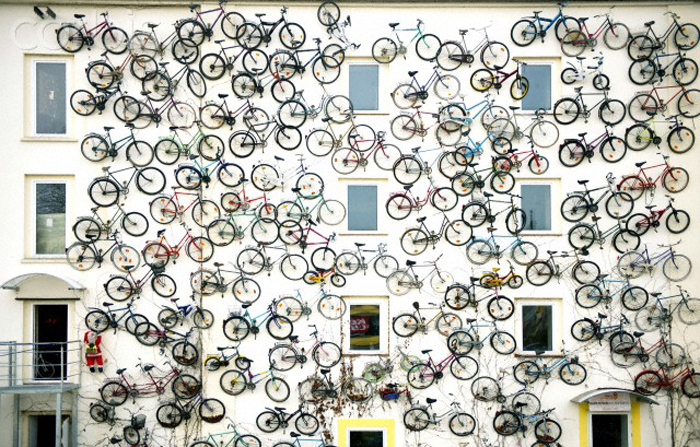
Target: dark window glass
50	98
366	438
537	328
539	95
537	204
50	222
365	327
609	430
362	208
364	87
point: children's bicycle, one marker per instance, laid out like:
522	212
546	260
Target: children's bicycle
577	72
483	79
677	221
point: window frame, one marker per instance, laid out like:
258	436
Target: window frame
555	67
366	64
557	324
555	218
358	184
384	316
32	97
33	215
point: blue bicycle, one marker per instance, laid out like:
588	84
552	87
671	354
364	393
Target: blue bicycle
461	115
570	370
241	323
481	250
674	266
527	29
298	441
168	317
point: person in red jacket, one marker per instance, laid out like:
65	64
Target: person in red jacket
93	353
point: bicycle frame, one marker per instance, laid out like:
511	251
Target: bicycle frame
157	385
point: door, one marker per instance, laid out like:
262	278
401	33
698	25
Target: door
50	335
610	430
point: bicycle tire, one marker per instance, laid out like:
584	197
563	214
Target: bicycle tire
677	267
427	46
495	55
268	421
648	383
566	111
612	112
582	236
277	389
115	40
539	273
462	424
326	354
524	252
323	258
450	56
416	419
548	430
292	35
236	328
680	139
70	38
523	32
255	62
506	342
320	142
500	308
114	393
526	372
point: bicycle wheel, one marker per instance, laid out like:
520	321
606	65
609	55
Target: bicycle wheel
236	328
613	149
515	221
689	311
526	403
268	421
97	321
320	142
680	140
571	154
619	205
670	355
94	148
282	357
503	343
279	327
566	111
506	423
500	308
444	199
250	261
421	376
211	410
407	170
358	389
642	71
641	109
326	69
544	134
502	182
292	113
245	290
113	393
648	383
523	32
414	241
616	36
405	96
427	46
690	385
331	307
403	127
689	103
293	267
119	288
539	273
495	56
386	155
585	272
675	180
462	424
104	192
328	13
448	323
524	252
83	102
547	430
527	372
148	334
625	240
485	389
574	43
345	160
292	35
384	50
405	325
323	258
446	87
519	88
277	389
612	112
309	185
204	212
200	249
416	419
326	354
677	267
481	80
479	251
70	38
385	265
572	373
450	56
584	329
115	40
185	353
125	258
348	263
582	236
460	342
685	71
632	185
649	318
307	424
213	67
458	233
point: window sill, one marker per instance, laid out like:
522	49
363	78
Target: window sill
59	259
541	233
370	113
47	139
363	233
527	355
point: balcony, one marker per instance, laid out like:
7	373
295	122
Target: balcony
30	368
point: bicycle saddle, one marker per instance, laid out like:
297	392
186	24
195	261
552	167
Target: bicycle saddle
425	351
260	14
578	89
120	371
520	404
296	189
649	207
326	119
360	244
161	232
317	40
407	187
163	64
650	23
513	107
580	58
539	352
651	112
638	334
639	164
325	371
491	229
415	149
107	304
582	19
195	5
487	194
583	134
128	267
279	158
222	348
551	252
79	16
595	218
473	279
430	400
471	320
462	32
294	338
603	275
582	182
410	262
148	367
655	294
394	25
536	12
223	95
392	385
246	305
421	219
279	408
602	316
174	300
152	25
218	264
412	73
294	435
108	128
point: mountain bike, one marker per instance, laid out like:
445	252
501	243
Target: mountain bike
385	49
453	53
674	179
253	260
232	437
403	281
656	315
423	375
507	423
316	389
183	351
103	73
583	271
577	205
685	37
400	205
209	410
478	212
250	35
679	138
214	66
115	392
480	250
657	67
96	147
650	381
106	190
159	252
574	73
234	382
616	35
421	417
628	353
407	94
541	132
285	355
463	341
198	28
330	306
587	329
600	290
272	419
573	151
408	324
677	221
346	160
568	109
325	68
349	262
165	209
72	38
526	30
215	361
169	317
583	235
240	324
483	79
98	320
83	256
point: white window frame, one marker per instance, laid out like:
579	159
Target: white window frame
32	95
384	104
555	197
381	184
32	243
362	300
625	413
373	429
557	323
372	63
555	67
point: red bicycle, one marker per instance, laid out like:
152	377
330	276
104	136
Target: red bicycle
292	233
164	209
647	104
674	179
158	253
400	204
677	221
483	79
239	202
514	159
72	38
650	381
184	386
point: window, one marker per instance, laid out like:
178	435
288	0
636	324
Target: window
49	205
538	326
364	87
539	95
609	430
362	208
537	204
366	324
366	432
51	334
49	97
366	438
41	430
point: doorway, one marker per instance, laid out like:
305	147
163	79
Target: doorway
42	430
51	335
610	430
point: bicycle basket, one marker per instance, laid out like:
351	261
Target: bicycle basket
235	311
138	421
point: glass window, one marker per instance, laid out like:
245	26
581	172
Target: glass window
50	98
362	208
537	328
364	87
50	218
537	204
609	430
365	327
366	438
539	95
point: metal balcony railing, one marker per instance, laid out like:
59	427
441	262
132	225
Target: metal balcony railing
48	365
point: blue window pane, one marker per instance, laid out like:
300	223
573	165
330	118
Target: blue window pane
537	328
539	95
364	87
50	98
362	208
537	204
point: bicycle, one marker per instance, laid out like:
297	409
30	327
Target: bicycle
423	375
415	241
645	105
420	417
294	112
616	36
103	73
330	306
677	221
246	84
493	280
391	392
250	35
72	38
587	329
655	68
526	30
360	137
165	209
267	177
160	84
611	148
541	133
385	49
404	280
650	381
478	212
159	252
292	233
147	43
577	205
210	410
628	353
197	28
324	68
379	370
207	282
492	53
214	116
116	392
653	317
409	168
406	95
459	296
685	36
214	66
400	205
297	441
679	138
599	291
183	351
346	160
481	250
106	190
239	201
101	412
483	79
98	320
405	126
514	159
674	179
96	147
169	317
234	383
179	114
240	324
322	276
316	389
408	324
463	341
237	438
582	236
168	149
575	73
253	260
84	103
215	361
243	143
272	419
507	423
349	262
539	272
568	109
285	356
83	256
